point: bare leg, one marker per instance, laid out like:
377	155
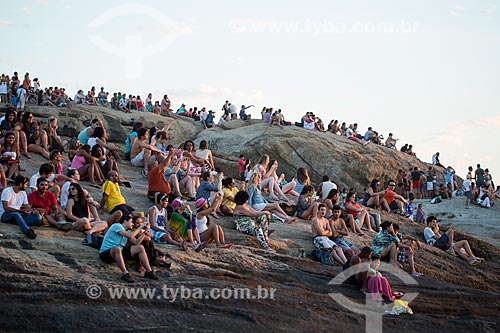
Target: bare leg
143	258
116	253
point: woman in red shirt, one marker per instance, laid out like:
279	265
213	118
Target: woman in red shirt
358	212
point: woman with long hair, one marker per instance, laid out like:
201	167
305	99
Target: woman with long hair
109	149
33	138
54	140
358	212
259	203
267	180
286	187
307	208
209	231
373	198
105	163
86	164
9	155
302	179
78	212
206	154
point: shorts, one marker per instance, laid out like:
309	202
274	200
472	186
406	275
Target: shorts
442	242
393	205
323	242
138	160
416	185
343	243
401	256
106	255
124	208
467	194
430	186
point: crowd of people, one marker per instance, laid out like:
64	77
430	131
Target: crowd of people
178	175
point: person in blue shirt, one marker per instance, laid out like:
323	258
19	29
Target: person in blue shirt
113	248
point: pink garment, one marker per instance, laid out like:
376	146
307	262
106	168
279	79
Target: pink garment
379	284
78	162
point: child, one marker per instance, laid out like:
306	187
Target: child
420	218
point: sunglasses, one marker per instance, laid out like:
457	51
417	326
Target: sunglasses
72	188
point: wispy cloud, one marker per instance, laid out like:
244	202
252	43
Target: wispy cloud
4	22
42	2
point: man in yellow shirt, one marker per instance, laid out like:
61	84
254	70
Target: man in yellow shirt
112	197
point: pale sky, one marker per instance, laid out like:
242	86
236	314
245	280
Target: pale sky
428	71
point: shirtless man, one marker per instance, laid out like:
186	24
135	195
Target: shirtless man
321	230
339	230
141	151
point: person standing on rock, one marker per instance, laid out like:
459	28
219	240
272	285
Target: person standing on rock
479	176
15	207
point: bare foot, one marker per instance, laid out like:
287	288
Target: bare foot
226	246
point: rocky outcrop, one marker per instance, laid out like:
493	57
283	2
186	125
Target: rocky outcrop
117	123
348	163
44	283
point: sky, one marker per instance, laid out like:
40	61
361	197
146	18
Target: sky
427	71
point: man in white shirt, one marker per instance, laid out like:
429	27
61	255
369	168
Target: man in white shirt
446	242
467	192
15	207
325	187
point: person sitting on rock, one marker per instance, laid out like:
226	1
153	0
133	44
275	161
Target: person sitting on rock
207	188
156	180
252	222
141	151
358	213
113	248
374	198
368	278
406	251
284	186
16	208
112	197
183	222
445	241
321	231
160	229
385	244
339	230
78	212
395	201
267	179
301	179
209	231
45	203
325	187
229	191
333	199
259	203
307	208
